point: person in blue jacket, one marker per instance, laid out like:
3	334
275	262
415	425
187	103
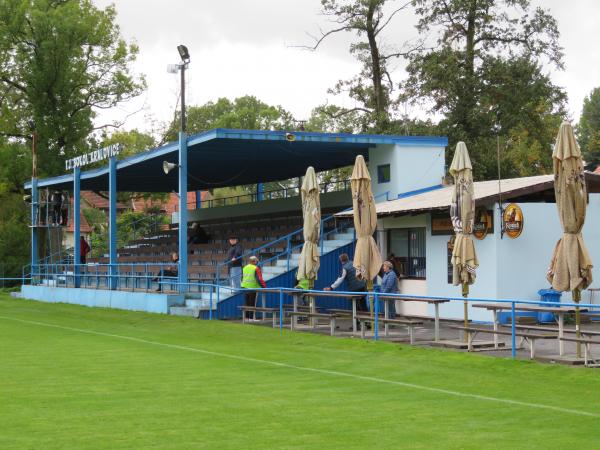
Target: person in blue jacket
389	285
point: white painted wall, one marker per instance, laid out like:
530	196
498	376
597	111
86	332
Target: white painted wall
509	268
411	167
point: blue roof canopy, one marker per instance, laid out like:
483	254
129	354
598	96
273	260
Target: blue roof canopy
221	157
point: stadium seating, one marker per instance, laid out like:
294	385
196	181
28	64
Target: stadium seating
204	260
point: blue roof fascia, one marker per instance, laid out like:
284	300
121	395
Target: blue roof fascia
372	139
131	160
420	191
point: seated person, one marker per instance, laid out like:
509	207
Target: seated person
169	272
198	235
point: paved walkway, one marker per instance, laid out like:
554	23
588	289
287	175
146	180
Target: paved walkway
546	349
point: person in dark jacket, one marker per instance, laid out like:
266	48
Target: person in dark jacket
353	284
169	272
389	285
234	258
198	235
84	249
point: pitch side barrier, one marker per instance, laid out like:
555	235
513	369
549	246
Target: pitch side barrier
101	276
375	297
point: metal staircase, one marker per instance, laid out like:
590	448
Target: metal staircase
272	268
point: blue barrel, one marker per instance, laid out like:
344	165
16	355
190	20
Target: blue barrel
548	295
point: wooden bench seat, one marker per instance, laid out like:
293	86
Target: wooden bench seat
410	324
316	315
588	359
554	329
273	311
524	336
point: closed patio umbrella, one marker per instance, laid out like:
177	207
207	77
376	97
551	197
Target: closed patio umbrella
571	267
462	213
367	259
309	262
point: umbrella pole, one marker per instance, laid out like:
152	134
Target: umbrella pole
577	299
465	294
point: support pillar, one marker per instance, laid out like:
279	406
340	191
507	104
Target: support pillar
112	221
183	214
260	192
76	225
34	224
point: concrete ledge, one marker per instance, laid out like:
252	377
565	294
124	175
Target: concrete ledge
133	301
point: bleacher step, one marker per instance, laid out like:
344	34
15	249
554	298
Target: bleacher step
184	311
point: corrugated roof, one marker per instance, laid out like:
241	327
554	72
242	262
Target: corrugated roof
485	191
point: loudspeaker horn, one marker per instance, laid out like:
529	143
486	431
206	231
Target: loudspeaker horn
167	167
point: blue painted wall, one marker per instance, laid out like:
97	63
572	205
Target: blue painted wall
330	269
412	167
133	301
510	268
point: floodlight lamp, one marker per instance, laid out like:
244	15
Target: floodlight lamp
172	68
184	53
167	167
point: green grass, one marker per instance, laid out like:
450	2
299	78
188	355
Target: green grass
63	388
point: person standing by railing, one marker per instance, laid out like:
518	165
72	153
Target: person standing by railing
252	279
389	285
234	258
84	250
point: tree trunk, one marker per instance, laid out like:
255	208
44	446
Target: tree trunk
378	92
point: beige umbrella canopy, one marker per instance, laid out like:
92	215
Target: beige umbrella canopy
462	213
367	259
309	262
571	267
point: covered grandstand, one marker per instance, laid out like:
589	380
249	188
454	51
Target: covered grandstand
126	276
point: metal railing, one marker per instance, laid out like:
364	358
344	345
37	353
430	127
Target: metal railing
374	299
120	276
290	247
286	192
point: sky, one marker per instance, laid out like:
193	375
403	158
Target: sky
251	47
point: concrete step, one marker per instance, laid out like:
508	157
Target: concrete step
273	270
344	236
184	311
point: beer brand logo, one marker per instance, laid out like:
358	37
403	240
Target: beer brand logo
483	222
513	221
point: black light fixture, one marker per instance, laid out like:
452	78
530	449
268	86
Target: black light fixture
184	53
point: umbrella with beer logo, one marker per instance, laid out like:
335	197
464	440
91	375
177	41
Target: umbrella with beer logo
571	267
309	262
367	259
462	214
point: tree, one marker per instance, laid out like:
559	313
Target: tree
59	62
485	75
589	128
372	87
247	113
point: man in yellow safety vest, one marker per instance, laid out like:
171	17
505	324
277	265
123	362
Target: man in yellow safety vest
252	279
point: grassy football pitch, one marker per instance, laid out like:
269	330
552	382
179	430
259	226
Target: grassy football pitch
74	377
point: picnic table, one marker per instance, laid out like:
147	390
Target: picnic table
560	312
432	301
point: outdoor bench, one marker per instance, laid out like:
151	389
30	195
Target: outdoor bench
524	336
587	349
316	315
410	324
273	311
